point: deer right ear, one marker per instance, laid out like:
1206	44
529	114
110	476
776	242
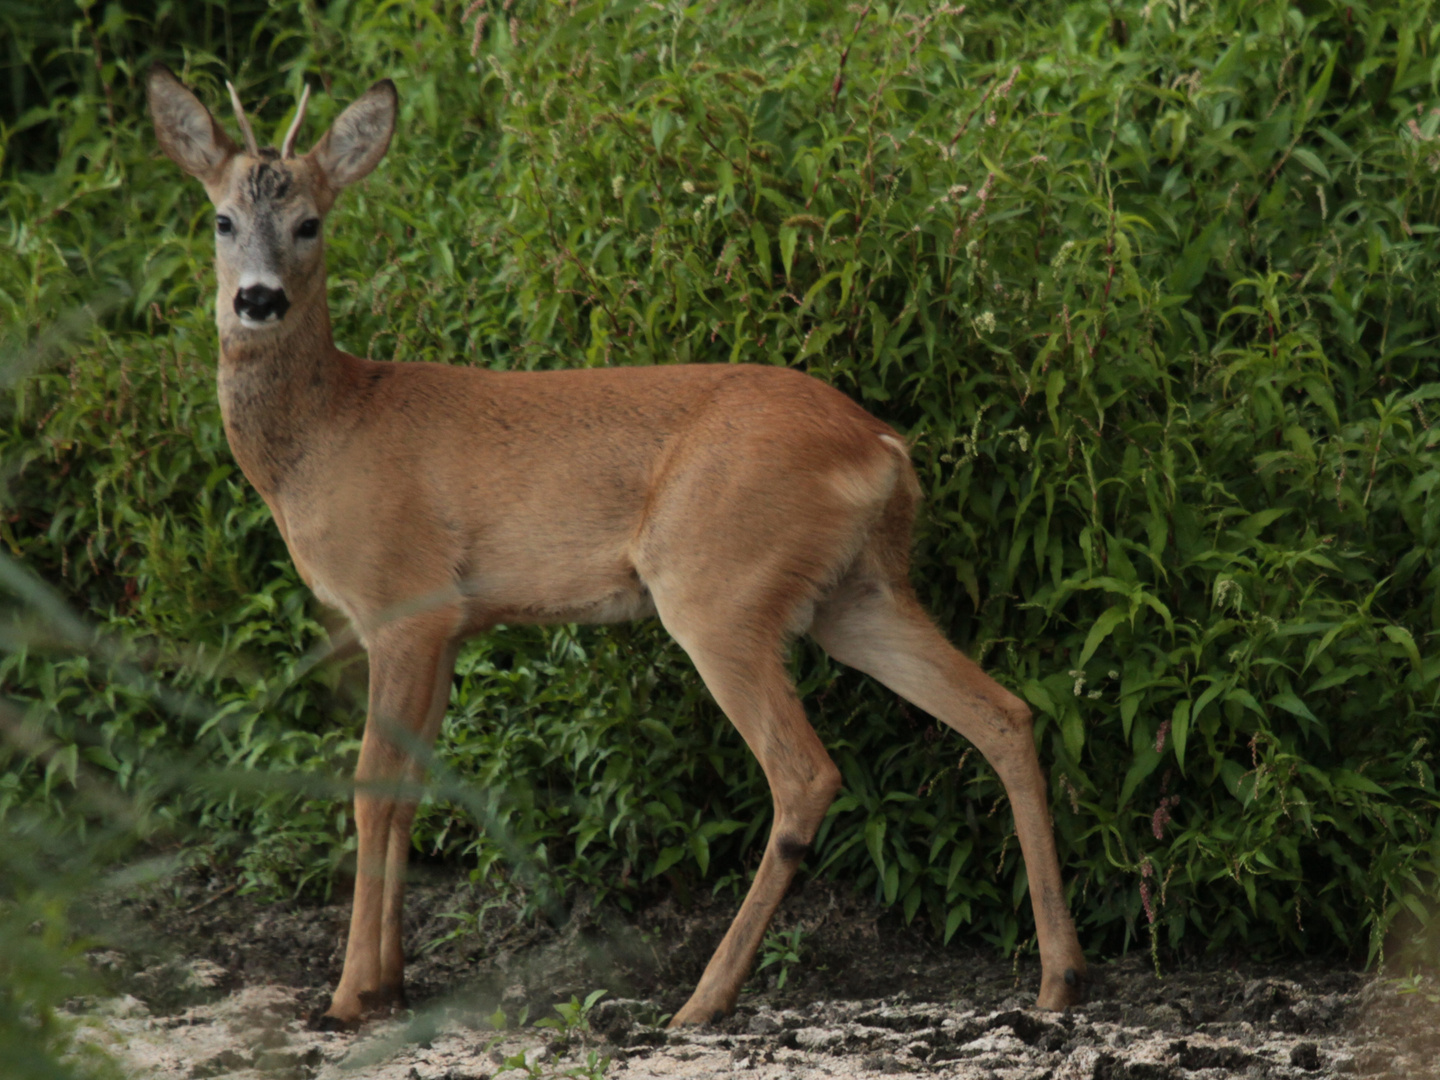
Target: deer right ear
359	137
187	132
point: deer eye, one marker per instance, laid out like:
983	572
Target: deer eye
308	229
223	225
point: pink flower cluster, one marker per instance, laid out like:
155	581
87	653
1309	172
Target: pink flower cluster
1146	873
1161	816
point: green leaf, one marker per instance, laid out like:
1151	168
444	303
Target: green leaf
761	241
1190	267
700	848
660	733
661	126
1402	637
913	899
1348	779
1040	697
1103	627
1311	161
668	858
957	862
1072	730
1316	94
1054	387
875	840
1146	760
788	235
965	573
1255	524
1293	705
958	917
1180	730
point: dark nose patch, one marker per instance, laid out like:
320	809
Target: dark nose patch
261	303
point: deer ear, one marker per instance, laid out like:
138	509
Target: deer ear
187	132
360	136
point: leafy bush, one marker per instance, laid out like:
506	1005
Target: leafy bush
1151	290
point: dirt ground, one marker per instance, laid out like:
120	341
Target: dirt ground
203	983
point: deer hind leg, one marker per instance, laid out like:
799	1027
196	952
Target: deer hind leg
411	663
884	632
745	671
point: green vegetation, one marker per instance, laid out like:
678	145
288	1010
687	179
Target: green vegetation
1152	290
784	948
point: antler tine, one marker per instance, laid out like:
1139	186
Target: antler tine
250	143
288	149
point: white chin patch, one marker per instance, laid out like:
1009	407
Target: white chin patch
258	324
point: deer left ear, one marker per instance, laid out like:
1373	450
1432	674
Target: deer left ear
187	132
360	136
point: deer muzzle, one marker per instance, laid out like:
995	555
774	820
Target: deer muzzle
261	304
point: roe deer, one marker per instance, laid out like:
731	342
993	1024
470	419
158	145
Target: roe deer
742	505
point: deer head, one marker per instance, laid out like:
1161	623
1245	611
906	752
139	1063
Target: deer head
270	205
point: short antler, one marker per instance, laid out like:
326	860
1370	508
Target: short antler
288	148
245	130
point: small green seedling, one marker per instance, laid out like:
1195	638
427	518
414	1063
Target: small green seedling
573	1016
782	947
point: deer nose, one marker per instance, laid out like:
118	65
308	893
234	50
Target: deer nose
260	303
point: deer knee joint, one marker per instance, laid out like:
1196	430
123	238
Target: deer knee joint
827	784
801	807
1018	717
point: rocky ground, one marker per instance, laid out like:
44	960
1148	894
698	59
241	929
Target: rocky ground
202	983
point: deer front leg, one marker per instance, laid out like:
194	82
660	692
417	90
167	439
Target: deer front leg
411	664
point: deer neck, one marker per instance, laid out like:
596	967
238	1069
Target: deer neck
279	391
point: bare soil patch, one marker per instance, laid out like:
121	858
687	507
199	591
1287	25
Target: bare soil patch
206	984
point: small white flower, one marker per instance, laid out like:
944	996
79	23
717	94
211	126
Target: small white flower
1225	590
1062	255
985	322
687	187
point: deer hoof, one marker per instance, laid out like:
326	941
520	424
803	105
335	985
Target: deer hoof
696	1016
383	1002
1060	994
324	1021
368	1005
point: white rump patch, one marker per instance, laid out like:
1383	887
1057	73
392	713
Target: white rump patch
866	487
